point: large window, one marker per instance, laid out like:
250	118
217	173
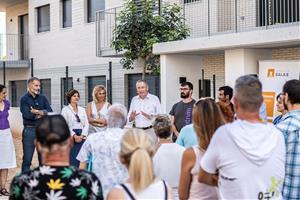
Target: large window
17	90
65	87
43	18
92	82
46	89
66	13
92	7
152	80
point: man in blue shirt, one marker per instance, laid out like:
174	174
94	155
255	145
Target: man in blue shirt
33	106
290	128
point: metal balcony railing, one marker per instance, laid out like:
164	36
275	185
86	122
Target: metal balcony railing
212	17
14	50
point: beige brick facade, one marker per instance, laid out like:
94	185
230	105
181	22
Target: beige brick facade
286	54
214	65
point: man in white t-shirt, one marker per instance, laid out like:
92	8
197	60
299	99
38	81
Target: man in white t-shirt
246	158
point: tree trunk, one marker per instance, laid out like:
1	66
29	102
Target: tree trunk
144	68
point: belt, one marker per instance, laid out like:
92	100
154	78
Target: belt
29	126
144	128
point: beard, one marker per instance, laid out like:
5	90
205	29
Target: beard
184	95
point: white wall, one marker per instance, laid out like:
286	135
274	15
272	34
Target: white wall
240	62
173	67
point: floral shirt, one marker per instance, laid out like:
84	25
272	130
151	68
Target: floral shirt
105	147
56	183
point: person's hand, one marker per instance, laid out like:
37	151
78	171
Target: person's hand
176	133
39	113
132	116
146	115
77	138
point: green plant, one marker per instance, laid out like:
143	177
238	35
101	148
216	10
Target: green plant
139	26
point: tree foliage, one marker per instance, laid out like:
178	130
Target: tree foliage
139	26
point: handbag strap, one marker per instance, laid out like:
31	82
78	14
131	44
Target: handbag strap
128	192
166	190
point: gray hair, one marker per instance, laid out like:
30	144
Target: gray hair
248	93
31	79
116	116
142	81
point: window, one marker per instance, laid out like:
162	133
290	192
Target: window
17	90
152	80
92	82
204	91
43	18
46	89
64	89
66	13
277	12
92	7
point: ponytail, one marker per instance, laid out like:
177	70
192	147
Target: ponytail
136	153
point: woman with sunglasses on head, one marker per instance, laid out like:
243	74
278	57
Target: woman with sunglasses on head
97	110
7	149
207	117
77	121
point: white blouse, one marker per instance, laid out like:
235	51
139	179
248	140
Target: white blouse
69	114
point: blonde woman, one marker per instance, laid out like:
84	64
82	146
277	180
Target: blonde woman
207	117
97	110
142	183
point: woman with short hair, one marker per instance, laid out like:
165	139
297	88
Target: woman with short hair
207	117
280	108
76	118
97	110
136	154
7	149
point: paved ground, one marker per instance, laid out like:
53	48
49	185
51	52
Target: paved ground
19	153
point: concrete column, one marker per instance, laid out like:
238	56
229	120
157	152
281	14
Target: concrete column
172	67
239	62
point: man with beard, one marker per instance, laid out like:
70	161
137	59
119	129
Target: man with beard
289	125
181	112
225	95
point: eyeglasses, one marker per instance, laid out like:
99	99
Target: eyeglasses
77	118
184	89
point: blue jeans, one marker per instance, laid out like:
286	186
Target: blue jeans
75	150
28	137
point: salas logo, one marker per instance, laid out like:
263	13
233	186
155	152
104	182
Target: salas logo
276	73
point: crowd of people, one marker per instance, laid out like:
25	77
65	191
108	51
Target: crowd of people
202	149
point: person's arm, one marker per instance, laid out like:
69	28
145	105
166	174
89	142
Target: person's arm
25	109
158	106
85	130
47	106
89	113
131	116
187	164
173	127
83	154
207	178
115	193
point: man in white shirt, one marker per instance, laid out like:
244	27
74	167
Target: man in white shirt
247	156
143	108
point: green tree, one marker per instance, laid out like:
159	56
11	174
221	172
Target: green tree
139	26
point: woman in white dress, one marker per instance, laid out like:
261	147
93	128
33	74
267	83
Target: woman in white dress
7	149
136	154
77	121
97	110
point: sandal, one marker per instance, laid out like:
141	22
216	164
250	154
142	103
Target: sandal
4	192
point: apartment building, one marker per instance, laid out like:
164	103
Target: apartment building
228	39
44	36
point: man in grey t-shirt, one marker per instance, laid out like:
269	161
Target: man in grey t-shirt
181	112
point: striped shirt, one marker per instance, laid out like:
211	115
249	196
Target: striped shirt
290	127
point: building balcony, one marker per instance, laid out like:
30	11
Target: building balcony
14	50
207	18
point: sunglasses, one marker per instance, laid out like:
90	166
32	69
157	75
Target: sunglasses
77	118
